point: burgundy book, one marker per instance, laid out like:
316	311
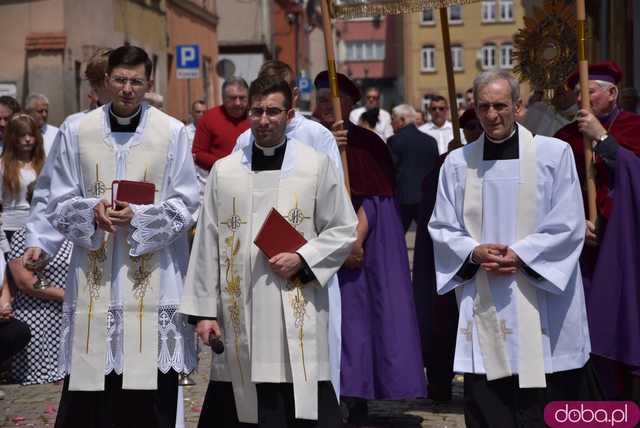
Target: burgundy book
277	236
134	192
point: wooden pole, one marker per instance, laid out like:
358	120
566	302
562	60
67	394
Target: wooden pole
585	104
451	84
333	82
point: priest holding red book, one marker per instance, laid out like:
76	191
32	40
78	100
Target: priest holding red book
123	342
272	313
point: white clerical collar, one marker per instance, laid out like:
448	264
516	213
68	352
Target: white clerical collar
504	139
124	120
270	151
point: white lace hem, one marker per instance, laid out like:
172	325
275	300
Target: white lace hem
176	341
156	226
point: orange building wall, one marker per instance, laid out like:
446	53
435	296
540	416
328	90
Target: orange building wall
184	28
284	36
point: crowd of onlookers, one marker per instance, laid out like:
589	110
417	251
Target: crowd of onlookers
26	138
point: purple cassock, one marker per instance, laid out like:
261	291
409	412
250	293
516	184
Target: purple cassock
381	356
613	297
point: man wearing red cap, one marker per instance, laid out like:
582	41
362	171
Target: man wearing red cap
610	258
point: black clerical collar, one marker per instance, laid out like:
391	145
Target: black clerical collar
124	124
501	150
267	158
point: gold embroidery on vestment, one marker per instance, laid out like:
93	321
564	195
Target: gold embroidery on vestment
95	275
98	187
504	331
233	289
467	332
299	306
141	282
296	216
298	303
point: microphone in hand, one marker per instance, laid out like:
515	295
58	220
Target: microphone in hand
216	344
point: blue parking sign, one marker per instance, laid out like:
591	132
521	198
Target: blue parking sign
304	84
188	61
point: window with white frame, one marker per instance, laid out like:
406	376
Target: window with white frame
428	59
364	51
457	54
506	10
506	54
426	102
489	11
427	17
488	56
455	14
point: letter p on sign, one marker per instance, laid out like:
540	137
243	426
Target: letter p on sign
188	61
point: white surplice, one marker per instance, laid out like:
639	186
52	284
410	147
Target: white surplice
40	233
262	342
49	133
552	251
155	228
320	138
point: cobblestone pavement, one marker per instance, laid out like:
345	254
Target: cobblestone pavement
36	406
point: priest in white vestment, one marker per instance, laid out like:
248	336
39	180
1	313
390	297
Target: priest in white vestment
272	314
507	229
123	339
315	135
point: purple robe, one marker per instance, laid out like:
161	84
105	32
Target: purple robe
381	356
613	297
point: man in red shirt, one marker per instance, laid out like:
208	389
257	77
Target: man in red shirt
219	128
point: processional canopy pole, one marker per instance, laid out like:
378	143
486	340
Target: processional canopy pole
370	8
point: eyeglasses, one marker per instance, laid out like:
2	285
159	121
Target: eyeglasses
257	112
373	97
122	81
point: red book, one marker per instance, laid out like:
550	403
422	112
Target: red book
134	192
277	236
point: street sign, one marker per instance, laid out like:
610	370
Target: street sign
304	84
187	61
225	68
8	88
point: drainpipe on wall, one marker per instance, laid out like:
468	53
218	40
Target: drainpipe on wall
267	35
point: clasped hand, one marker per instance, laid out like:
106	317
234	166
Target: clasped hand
496	258
108	219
